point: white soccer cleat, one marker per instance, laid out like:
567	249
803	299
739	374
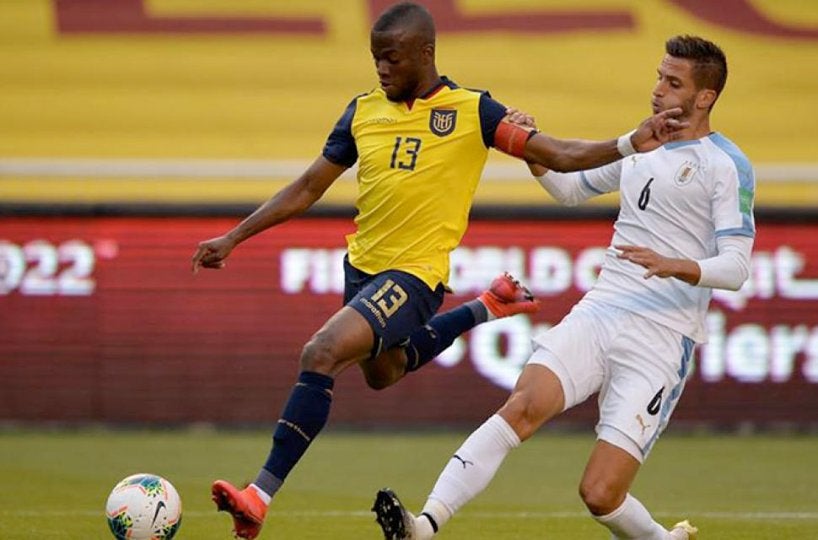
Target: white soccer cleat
683	531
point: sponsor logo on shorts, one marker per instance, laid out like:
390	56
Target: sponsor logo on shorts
655	404
375	311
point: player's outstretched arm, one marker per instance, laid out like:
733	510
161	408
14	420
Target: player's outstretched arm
566	155
657	265
729	269
291	201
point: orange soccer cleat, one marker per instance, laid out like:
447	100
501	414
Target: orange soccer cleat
246	507
506	297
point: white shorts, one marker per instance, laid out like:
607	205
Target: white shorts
638	366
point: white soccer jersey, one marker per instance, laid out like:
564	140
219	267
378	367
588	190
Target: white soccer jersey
675	200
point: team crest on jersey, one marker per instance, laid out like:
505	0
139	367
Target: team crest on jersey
442	121
685	173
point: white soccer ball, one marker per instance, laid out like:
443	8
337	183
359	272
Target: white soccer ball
144	507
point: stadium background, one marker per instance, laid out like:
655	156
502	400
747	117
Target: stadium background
132	129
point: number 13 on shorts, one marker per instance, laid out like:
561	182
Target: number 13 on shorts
389	303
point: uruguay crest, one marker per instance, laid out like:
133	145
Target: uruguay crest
442	121
685	173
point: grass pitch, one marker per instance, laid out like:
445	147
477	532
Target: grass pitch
53	485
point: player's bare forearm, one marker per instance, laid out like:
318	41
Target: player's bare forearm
291	201
287	203
686	270
536	169
517	136
567	155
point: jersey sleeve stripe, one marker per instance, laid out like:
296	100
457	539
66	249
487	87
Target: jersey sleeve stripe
587	184
746	229
680	144
746	177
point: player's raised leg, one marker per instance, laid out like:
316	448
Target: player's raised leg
505	297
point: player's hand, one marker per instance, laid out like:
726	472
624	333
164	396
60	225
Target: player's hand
212	253
656	264
660	128
516	116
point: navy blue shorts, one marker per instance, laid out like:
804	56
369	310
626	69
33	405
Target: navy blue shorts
394	302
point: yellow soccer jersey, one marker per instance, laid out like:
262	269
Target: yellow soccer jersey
418	168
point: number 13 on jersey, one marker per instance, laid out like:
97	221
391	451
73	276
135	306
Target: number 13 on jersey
405	153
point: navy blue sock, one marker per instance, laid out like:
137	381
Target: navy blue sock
303	418
427	342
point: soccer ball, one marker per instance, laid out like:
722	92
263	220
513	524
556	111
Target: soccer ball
144	507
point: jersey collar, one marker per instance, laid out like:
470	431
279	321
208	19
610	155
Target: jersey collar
442	82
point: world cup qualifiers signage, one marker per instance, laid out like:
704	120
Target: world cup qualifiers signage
763	344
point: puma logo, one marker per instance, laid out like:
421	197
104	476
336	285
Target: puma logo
642	423
463	461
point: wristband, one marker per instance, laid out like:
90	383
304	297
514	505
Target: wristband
624	144
512	138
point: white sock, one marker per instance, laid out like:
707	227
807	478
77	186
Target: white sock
632	521
471	468
423	528
265	498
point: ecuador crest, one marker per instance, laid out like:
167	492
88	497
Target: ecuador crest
442	121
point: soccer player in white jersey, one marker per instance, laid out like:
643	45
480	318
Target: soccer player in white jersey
685	226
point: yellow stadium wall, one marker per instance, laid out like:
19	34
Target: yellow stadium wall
261	81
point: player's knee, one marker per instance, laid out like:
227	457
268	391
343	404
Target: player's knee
523	414
317	355
601	498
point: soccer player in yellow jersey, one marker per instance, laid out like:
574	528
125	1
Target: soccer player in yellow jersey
420	142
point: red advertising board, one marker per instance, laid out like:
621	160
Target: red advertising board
101	319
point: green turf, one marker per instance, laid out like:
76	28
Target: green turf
53	485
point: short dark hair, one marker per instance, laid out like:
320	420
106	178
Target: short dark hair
709	61
407	15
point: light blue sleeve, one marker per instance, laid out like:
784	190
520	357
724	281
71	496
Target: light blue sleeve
575	187
734	192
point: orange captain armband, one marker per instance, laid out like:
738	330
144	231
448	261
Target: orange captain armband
511	138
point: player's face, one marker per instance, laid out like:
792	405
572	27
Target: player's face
675	86
398	61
